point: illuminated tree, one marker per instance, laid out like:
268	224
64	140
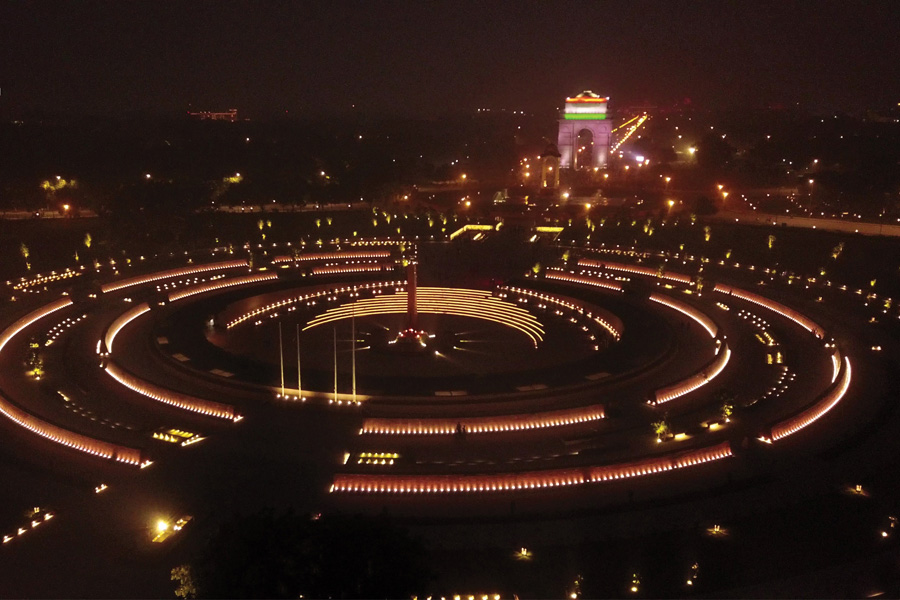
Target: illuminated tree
836	251
771	241
87	240
727	411
25	254
660	428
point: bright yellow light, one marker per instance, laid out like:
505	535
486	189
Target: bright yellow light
162	526
66	206
468	203
463	176
671	203
720	186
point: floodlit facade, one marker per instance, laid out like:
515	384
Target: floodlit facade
584	112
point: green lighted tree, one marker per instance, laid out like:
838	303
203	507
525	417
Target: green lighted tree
25	254
727	411
660	428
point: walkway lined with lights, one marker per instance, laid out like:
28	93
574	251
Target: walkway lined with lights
505	482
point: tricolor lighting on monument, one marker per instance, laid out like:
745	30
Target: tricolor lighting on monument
586	106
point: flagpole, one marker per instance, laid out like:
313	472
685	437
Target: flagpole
299	381
353	339
334	331
281	358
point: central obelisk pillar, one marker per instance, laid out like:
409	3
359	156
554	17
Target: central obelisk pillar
412	314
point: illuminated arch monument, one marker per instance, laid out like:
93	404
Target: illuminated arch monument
586	112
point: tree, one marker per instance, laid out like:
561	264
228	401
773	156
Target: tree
284	556
660	428
25	254
187	587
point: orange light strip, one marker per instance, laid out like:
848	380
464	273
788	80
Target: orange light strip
687	310
178	400
332	256
496	424
123	320
690	384
352	268
813	414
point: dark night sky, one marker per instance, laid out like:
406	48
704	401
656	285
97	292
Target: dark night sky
427	58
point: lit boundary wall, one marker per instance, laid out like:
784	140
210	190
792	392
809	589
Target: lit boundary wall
710	372
492	424
332	256
613	266
178	400
123	320
806	418
364	268
50	431
501	482
140	280
687	310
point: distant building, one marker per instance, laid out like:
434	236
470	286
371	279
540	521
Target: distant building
230	115
584	132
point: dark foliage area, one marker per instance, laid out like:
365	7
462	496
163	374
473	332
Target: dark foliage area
267	555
